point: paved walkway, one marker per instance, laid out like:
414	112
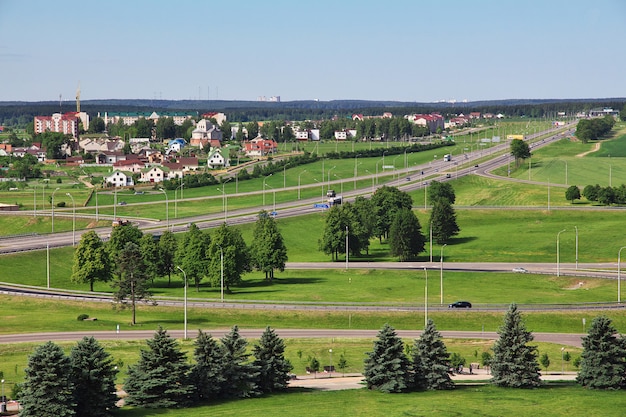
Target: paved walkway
339	381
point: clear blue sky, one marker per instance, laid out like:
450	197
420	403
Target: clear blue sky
408	50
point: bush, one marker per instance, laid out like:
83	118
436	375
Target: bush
82	317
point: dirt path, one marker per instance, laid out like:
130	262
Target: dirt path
595	149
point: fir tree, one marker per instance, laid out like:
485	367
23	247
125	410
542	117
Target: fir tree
240	375
387	367
159	379
93	376
443	221
514	363
207	374
47	389
431	361
603	361
270	360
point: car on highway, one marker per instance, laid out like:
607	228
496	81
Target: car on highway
520	270
460	304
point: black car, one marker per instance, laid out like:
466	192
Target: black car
461	304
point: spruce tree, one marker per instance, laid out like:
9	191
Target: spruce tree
387	367
270	360
514	362
207	374
93	376
603	361
240	375
443	221
431	360
47	389
160	378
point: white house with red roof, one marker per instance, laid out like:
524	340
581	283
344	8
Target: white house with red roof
432	121
260	147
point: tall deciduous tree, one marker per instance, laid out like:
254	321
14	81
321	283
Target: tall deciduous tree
386	202
239	373
333	239
160	378
168	245
514	362
192	254
270	361
120	236
405	236
572	193
387	368
268	251
47	389
443	221
603	361
132	282
438	190
227	243
91	260
431	361
150	253
207	374
520	151
93	376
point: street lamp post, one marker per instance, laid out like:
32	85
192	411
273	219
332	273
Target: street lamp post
52	201
558	263
222	272
330	169
299	183
330	369
167	209
562	356
184	301
372	180
264	179
619	276
176	198
73	219
347	247
441	273
576	229
340	183
426	298
355	169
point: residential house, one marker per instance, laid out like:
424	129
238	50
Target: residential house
432	121
220	118
204	133
120	179
175	145
173	170
189	163
109	157
215	159
154	174
260	147
134	165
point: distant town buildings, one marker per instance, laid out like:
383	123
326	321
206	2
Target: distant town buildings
66	123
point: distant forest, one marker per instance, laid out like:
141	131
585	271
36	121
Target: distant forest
19	114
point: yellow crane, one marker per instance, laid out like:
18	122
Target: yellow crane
78	98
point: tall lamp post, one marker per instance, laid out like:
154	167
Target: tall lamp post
330	169
426	298
73	219
441	273
167	209
221	272
52	201
576	229
176	198
347	247
299	183
330	370
619	276
184	302
355	170
264	187
558	263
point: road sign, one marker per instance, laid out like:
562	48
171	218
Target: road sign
322	206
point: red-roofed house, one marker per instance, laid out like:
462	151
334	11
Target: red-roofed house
260	147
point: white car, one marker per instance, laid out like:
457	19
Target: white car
521	270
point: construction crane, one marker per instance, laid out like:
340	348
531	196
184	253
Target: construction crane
78	98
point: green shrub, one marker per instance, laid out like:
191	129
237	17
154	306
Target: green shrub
82	317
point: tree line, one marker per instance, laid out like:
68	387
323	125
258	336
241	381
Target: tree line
604	195
388	216
83	383
594	129
514	363
131	260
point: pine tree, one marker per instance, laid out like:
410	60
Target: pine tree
270	360
240	375
160	378
93	376
387	367
603	361
47	389
405	235
431	359
443	221
514	363
207	374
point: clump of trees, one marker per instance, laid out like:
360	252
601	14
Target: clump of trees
594	129
605	195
